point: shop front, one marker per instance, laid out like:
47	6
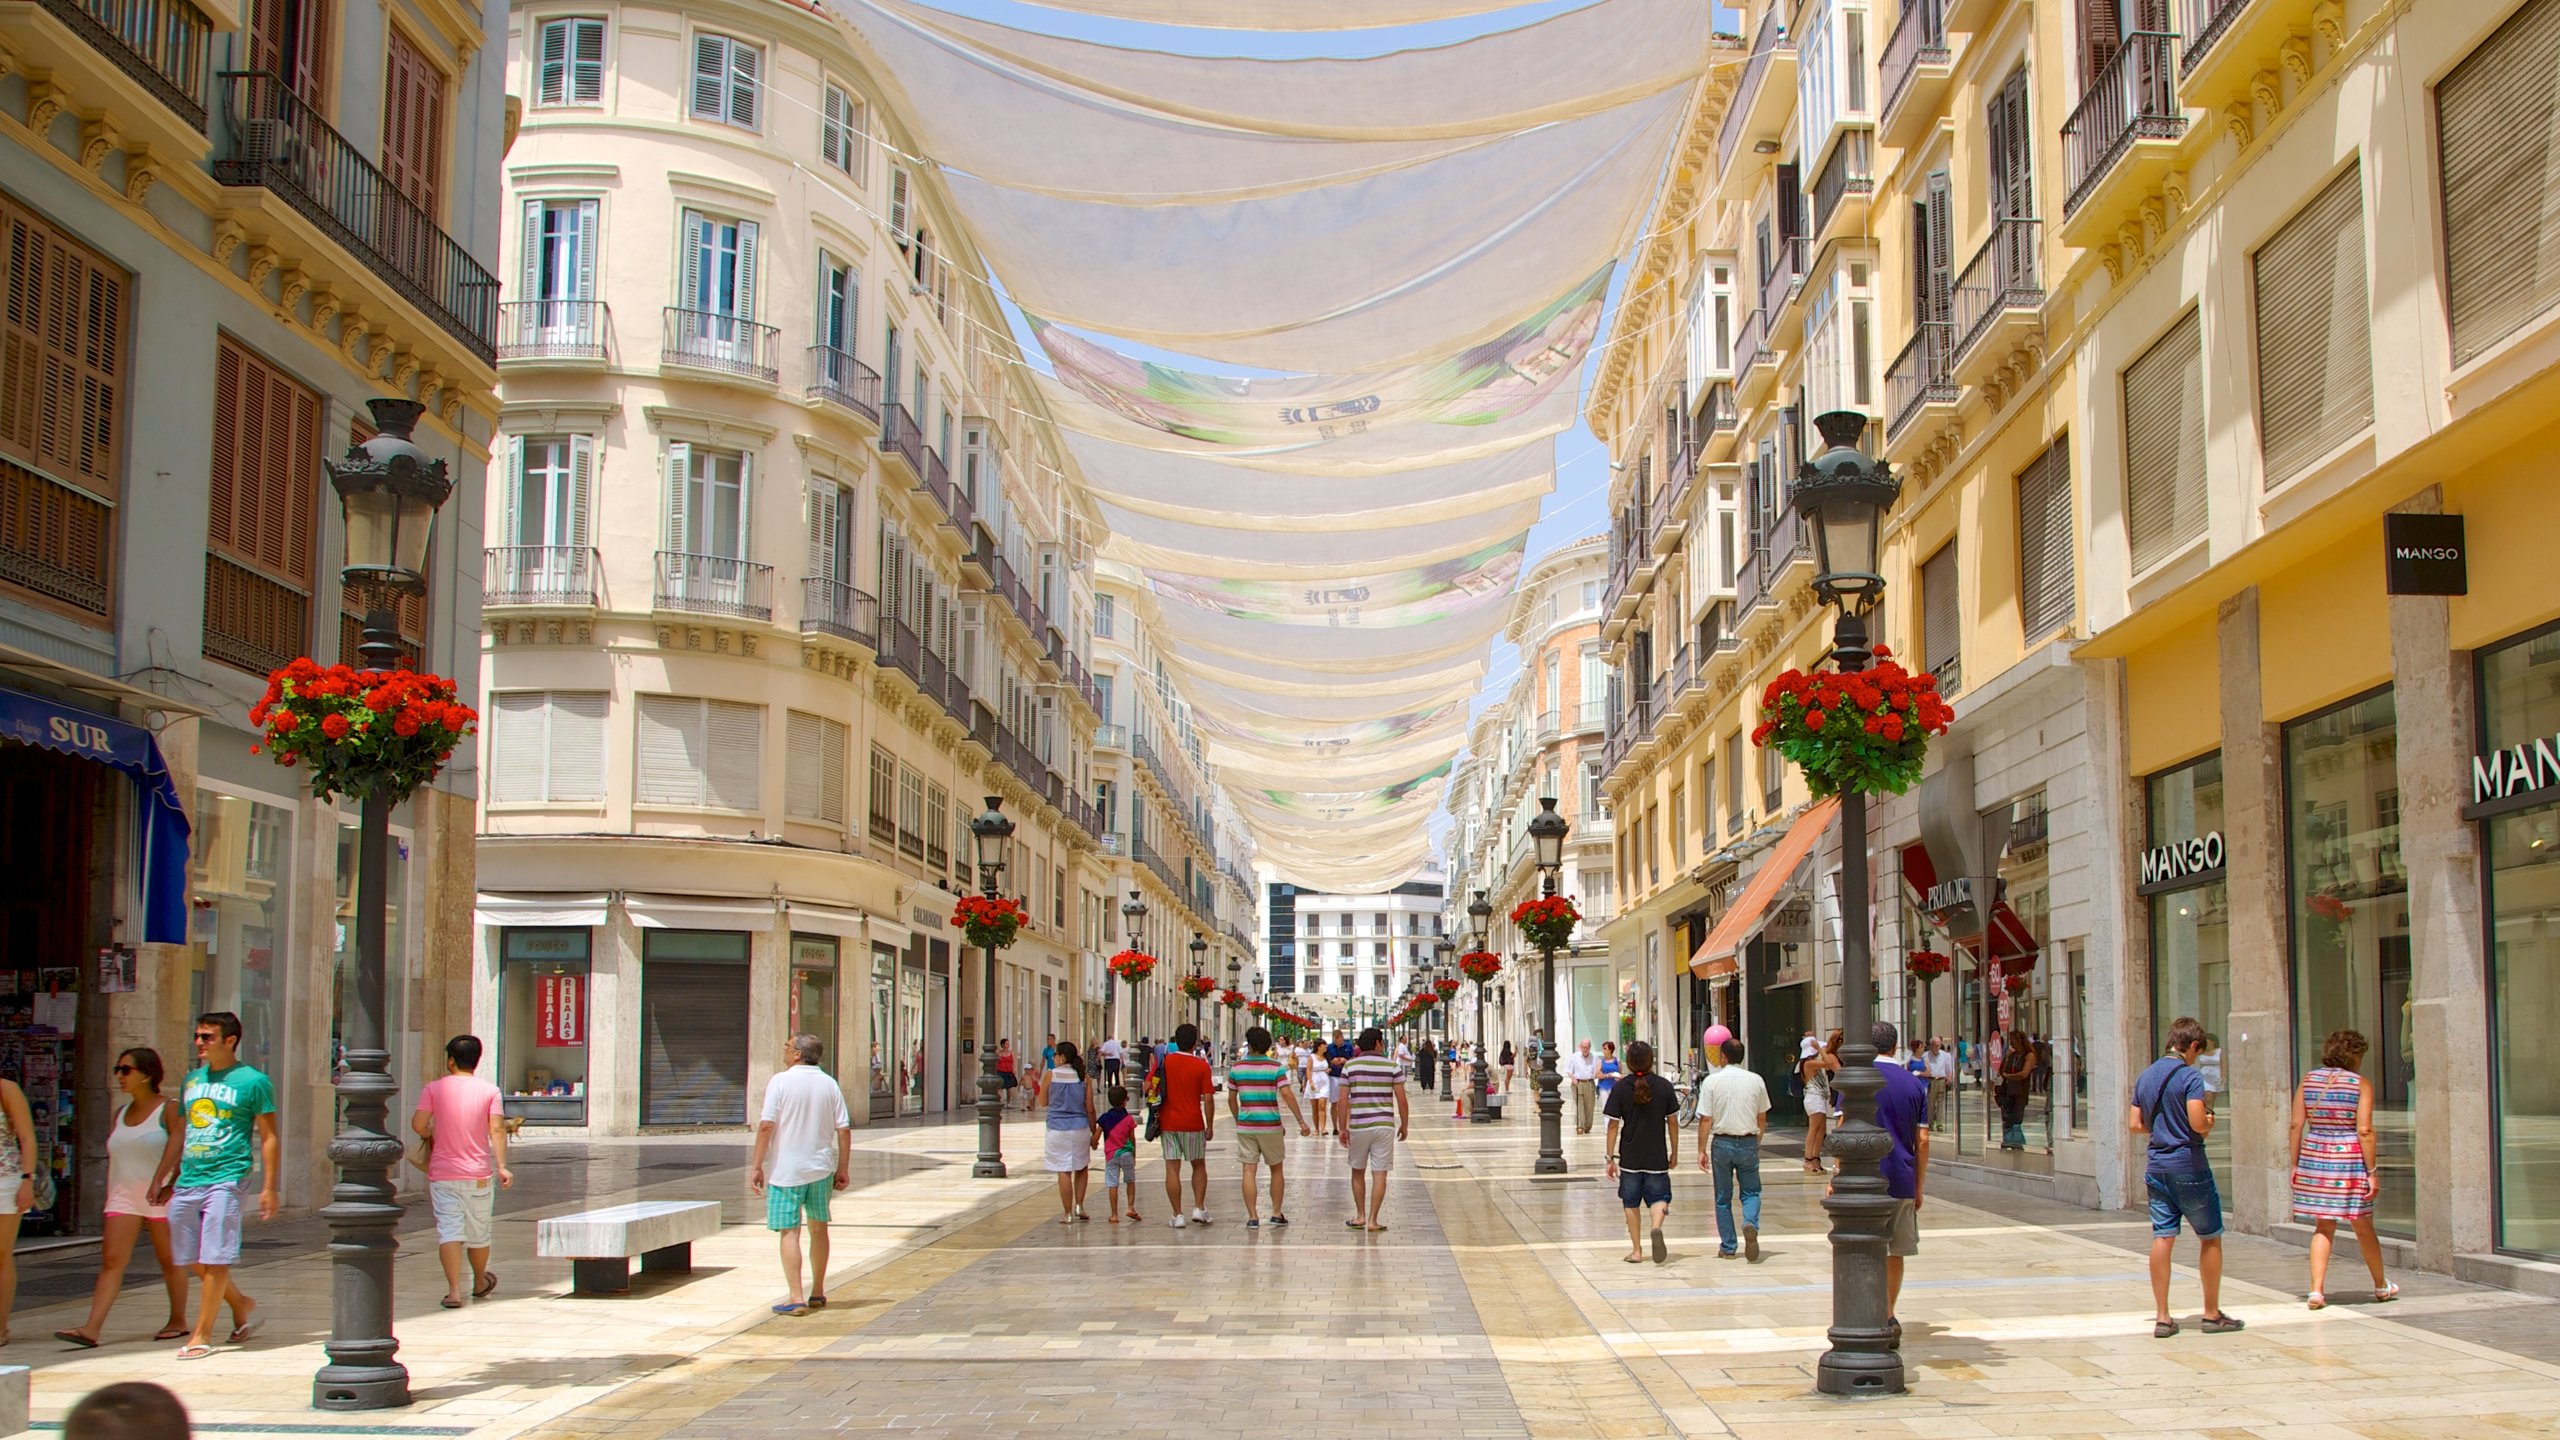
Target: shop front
2514	797
2185	889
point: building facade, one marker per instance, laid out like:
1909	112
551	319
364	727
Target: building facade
1356	956
786	579
228	228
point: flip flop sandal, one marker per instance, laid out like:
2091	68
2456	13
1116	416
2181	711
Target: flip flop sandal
2387	1293
487	1287
1661	1249
790	1307
174	1332
246	1329
2163	1329
195	1352
2223	1324
450	1303
2316	1300
74	1337
1353	1225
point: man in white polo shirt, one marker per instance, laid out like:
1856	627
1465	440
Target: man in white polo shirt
1733	1113
1582	1068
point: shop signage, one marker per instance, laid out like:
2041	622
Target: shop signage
2200	858
560	1002
1791	923
2424	555
2518	770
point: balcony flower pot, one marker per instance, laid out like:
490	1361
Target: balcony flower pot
1865	730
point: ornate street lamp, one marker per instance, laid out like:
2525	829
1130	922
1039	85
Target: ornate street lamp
389	492
1235	983
1133	915
1547	830
1480	918
1199	949
1845	494
992	834
1448	1062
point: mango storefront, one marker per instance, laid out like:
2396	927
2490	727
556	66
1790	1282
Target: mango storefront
2342	811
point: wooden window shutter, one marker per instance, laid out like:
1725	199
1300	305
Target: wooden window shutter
2495	150
743	304
2164	505
412	125
802	787
2101	35
265	467
62	344
679	482
586	62
551	82
831	131
824	500
735	776
1941	616
710	77
2046	596
530	254
582	469
899	228
2315	337
746	67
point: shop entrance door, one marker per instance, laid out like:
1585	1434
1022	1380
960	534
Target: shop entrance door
693	1043
46	805
1773	1021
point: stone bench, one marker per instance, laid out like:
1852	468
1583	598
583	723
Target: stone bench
599	1244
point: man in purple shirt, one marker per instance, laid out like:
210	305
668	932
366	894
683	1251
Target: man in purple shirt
1902	1111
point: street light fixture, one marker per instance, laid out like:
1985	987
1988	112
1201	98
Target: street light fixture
389	491
1235	982
1133	914
1547	830
1448	1062
991	834
1480	918
1199	949
1845	493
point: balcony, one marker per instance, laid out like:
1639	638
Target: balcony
723	345
1111	737
983	727
1755	365
55	540
835	609
1590	717
250	621
2223	39
1680	683
1842	187
1778	291
1719	422
713	585
158	46
281	145
535	332
538	577
933	677
1671	503
1916	66
1717	634
1998	299
898	646
836	378
1145	854
1918	381
1767	91
1550	727
2122	137
901	438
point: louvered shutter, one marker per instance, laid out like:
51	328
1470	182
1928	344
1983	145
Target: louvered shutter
697	239
2100	38
520	748
746	66
552	86
898	229
2315	338
582	469
1790	202
746	508
1941	615
710	77
586	267
222	474
743	304
1941	255
2164	445
586	63
735	735
2046	597
529	282
831	146
61	355
2496	153
679	487
802	784
833	740
671	750
577	746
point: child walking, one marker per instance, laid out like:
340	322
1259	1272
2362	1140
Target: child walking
1119	1131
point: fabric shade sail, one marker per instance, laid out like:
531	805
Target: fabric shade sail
1318	651
1716	956
1304	488
1275	552
1391	600
1131	408
1281	14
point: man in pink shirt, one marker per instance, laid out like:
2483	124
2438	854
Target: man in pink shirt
465	1125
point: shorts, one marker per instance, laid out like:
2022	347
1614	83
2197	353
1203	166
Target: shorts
1373	1148
1637	1188
1902	1233
1067	1150
1261	1147
1119	1170
786	1206
122	1199
1008	1079
1180	1145
204	1224
2189	1196
463	1210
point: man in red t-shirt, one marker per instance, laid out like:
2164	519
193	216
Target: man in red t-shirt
1185	1120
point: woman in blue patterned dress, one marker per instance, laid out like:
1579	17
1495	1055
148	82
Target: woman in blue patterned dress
2333	1160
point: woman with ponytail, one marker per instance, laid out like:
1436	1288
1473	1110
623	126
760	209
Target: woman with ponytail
1644	1147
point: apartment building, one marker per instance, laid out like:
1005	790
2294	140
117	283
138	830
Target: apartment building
1543	738
785	579
1171	839
1368	949
226	229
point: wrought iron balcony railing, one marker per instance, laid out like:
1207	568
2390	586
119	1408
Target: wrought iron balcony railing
1767	41
714	585
902	437
534	575
1919	376
710	340
2000	276
1919	38
1849	172
162	44
551	330
2134	98
2202	22
839	379
832	607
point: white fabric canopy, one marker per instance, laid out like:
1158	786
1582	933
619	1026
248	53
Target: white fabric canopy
1267	552
1409	684
1281	14
1389	600
1348	451
1317	651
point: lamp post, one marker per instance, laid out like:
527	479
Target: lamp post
1845	494
1547	830
1480	916
390	493
992	834
1235	983
1199	949
1448	1062
1134	915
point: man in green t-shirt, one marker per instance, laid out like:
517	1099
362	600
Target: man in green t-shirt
1258	1086
225	1104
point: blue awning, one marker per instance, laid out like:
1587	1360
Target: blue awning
162	834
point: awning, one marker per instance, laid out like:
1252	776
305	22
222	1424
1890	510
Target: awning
688	912
566	910
1715	958
826	920
2009	938
162	833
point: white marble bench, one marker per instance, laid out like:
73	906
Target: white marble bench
599	1244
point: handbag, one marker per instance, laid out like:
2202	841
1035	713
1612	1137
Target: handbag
1155	1122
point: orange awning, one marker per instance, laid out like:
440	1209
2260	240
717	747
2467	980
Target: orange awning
1715	958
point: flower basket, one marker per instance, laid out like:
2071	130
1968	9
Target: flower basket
1447	985
1256	1007
2331	908
1132	966
1546	923
1865	730
989	922
362	732
1480	965
1232	999
2017	983
1928	964
1197	987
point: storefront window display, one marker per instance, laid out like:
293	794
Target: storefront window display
2181	878
2017	941
813	992
2349	909
542	1025
2520	711
241	876
884	1032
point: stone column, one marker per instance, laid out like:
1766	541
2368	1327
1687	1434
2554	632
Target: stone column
2118	958
2258	1053
2449	980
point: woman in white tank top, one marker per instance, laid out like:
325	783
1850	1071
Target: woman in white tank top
135	1147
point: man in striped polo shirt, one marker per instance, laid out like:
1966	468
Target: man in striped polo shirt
1372	1118
1257	1086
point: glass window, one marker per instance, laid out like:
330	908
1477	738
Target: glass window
2191	926
2350	921
884	1029
241	880
542	1025
2520	705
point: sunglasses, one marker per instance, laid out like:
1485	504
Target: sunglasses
206	1037
124	1069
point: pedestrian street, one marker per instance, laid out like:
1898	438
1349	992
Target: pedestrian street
1493	1305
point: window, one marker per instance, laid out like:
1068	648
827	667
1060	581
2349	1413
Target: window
2315	338
843	126
831	517
813	768
706	754
263	506
546	747
1942	619
1707	803
1591	787
559	250
726	84
2495	151
2164	504
291	39
2045	593
911	813
937	852
839	295
548	503
707	501
1106	613
719	276
569	62
884	796
62	418
1733	783
1773	780
1678	808
901	208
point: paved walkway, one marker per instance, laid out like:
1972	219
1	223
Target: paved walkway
1496	1305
